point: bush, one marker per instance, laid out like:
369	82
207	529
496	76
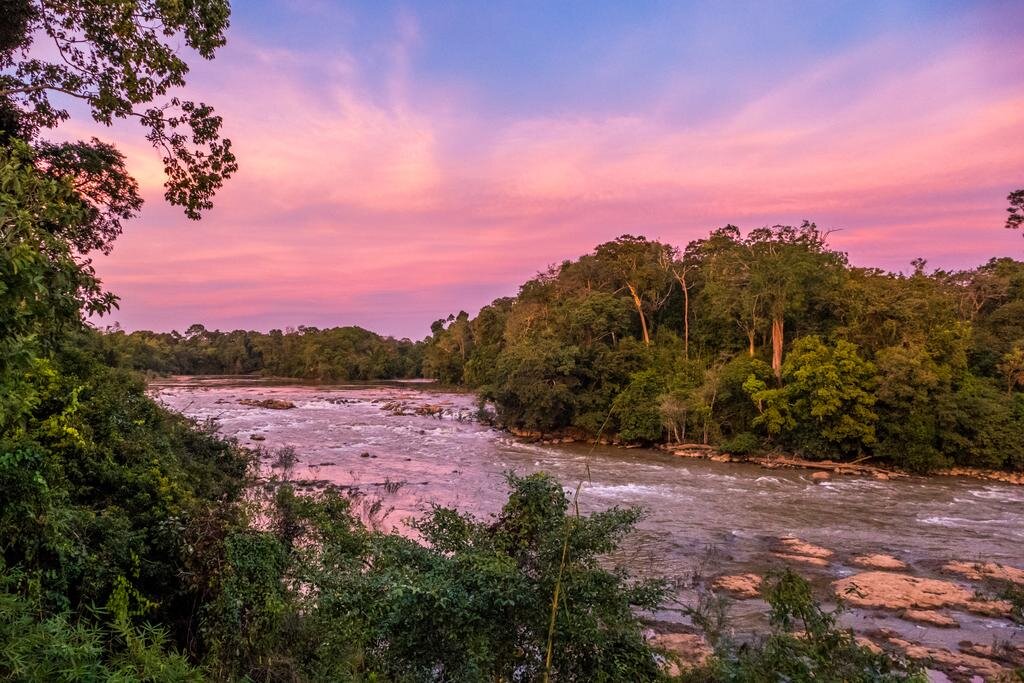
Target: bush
805	644
36	647
104	493
471	604
744	443
638	408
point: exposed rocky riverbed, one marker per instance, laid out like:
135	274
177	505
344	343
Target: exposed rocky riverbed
919	561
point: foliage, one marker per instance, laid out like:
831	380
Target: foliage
805	643
103	493
744	443
1015	210
716	342
338	353
825	401
122	60
637	408
55	648
332	599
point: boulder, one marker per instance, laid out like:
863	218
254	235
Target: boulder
794	546
741	585
879	561
957	664
685	650
271	403
805	559
888	590
978	571
930	617
1005	652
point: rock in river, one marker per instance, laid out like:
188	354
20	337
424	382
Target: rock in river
271	403
978	571
888	590
741	585
795	550
879	561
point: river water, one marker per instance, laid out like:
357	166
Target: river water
723	517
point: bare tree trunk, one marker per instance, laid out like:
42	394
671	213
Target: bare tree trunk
681	279
686	318
640	310
777	340
750	338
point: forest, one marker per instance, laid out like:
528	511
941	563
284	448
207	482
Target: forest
137	545
334	354
769	340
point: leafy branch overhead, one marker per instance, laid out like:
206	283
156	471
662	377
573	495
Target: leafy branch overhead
120	58
1015	209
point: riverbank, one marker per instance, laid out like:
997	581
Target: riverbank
773	461
829	467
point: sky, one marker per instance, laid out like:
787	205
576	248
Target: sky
403	161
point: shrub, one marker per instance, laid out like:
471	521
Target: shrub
805	644
743	443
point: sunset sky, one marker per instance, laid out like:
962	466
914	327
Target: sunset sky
403	161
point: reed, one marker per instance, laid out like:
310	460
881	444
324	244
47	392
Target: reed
569	525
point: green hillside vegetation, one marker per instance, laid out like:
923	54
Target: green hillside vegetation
768	340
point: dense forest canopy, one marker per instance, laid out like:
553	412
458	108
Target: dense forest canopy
338	353
769	339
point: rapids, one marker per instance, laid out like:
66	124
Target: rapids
703	517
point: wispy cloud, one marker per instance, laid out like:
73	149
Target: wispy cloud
358	183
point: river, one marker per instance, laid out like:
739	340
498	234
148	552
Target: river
733	514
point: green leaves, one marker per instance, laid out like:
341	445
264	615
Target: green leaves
122	59
637	408
46	289
1015	210
469	602
825	402
805	643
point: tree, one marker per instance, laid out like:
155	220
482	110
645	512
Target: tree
915	405
638	408
1016	210
825	402
120	59
773	276
44	288
680	269
637	266
1012	367
791	268
726	271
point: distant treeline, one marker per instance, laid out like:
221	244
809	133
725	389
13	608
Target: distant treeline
769	340
337	353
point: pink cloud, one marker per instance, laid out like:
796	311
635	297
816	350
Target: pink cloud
349	193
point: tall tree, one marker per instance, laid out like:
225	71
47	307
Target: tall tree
725	266
790	269
681	269
637	265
